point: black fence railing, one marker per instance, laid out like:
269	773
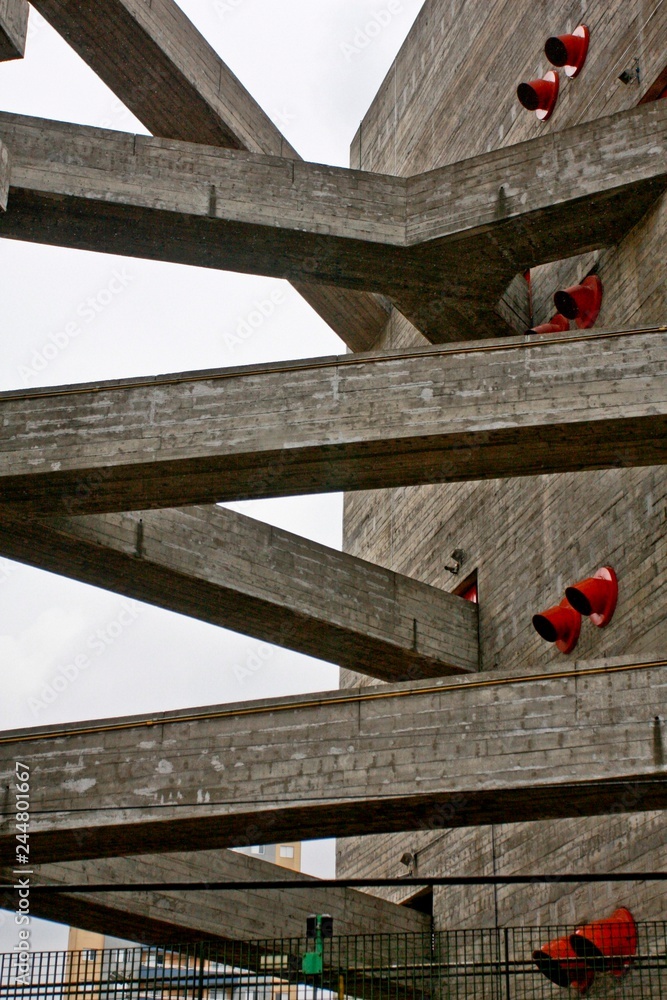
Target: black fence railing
514	963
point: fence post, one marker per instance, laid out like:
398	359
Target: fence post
508	988
200	988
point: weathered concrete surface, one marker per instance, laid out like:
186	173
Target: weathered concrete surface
514	407
5	172
177	85
13	28
163	917
451	95
230	570
339	764
436	243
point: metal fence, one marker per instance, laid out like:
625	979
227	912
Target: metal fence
515	963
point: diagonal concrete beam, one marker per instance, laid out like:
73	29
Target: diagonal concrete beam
437	243
13	28
5	172
230	570
167	74
162	68
511	407
163	917
501	749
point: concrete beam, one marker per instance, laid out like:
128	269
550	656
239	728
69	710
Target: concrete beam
233	571
167	74
369	760
13	28
165	917
512	407
5	172
163	69
440	244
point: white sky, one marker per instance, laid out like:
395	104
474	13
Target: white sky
314	68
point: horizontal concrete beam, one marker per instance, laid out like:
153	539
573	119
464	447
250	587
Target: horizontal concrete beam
230	570
438	243
163	917
179	88
512	407
5	170
13	28
584	741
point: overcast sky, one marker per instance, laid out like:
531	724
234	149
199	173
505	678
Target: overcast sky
314	66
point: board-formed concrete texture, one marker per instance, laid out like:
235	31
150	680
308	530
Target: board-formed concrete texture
463	753
13	28
179	88
230	570
451	95
438	243
448	100
164	916
511	407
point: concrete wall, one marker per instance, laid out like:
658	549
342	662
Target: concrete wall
451	95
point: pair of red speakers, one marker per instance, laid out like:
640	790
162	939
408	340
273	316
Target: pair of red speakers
567	51
604	946
582	303
595	598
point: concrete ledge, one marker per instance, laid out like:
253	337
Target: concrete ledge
444	245
513	407
496	749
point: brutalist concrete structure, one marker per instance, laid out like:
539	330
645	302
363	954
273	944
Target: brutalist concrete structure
473	454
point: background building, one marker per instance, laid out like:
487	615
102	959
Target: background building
285	855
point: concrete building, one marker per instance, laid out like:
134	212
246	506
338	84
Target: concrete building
450	95
474	454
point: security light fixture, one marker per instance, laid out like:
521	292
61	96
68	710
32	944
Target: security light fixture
459	557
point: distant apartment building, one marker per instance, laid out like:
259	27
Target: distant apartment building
287	855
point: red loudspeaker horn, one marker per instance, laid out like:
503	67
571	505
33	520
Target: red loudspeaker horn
569	51
581	302
614	939
540	96
557	324
560	963
595	596
560	624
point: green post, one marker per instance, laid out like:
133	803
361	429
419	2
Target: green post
318	927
